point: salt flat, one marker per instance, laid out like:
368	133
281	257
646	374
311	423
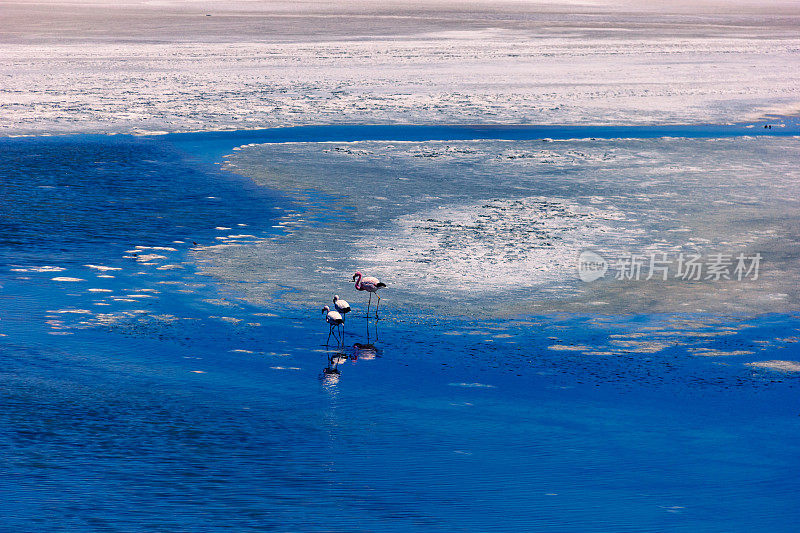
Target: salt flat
179	66
500	224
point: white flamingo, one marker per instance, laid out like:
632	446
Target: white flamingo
341	306
370	285
333	318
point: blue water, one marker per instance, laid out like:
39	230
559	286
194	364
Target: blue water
178	413
212	145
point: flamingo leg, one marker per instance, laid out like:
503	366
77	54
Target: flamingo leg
377	305
369	303
330	330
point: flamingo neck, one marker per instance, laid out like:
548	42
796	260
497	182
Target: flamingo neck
358	281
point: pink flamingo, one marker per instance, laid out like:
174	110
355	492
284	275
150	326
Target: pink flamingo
370	285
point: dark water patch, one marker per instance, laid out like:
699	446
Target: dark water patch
68	198
410	132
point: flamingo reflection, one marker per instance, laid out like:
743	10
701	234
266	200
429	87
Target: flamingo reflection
365	351
330	374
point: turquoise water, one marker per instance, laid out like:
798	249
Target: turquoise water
212	145
169	398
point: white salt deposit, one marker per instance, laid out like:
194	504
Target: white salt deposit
38	269
492	244
781	366
476	62
146	258
102	268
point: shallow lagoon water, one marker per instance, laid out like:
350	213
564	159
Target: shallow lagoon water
166	398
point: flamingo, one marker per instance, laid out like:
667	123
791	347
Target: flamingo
370	285
333	318
341	306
